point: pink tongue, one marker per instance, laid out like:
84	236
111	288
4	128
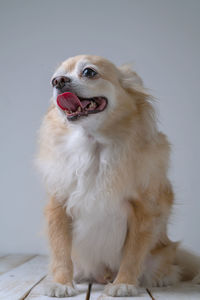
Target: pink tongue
68	101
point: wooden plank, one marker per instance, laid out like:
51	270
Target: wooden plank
16	283
37	293
182	291
9	262
97	293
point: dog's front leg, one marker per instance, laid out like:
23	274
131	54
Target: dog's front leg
137	244
60	240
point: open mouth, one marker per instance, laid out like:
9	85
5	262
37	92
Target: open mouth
76	107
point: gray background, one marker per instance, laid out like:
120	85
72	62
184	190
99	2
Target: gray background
160	38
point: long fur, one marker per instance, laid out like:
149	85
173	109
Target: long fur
106	176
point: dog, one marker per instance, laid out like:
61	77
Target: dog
105	164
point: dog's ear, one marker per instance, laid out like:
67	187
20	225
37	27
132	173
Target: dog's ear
133	85
130	80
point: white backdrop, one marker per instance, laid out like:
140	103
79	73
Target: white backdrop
160	37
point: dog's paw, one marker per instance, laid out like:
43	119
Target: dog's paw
120	290
59	290
172	278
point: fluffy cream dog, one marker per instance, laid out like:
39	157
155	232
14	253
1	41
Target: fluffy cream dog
105	165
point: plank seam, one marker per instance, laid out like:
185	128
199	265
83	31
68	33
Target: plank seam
88	291
150	294
28	292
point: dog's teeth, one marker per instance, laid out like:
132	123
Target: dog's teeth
79	109
92	104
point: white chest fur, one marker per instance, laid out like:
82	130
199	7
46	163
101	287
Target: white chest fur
81	172
98	238
99	215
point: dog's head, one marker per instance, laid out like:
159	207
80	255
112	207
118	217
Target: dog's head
91	91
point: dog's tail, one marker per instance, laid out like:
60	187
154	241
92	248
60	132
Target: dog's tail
190	265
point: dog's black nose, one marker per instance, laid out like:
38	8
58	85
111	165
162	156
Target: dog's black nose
60	81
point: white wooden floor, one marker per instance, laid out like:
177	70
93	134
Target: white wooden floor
24	277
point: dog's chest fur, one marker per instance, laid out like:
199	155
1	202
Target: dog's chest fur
94	200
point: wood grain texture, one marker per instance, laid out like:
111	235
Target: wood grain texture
16	283
182	291
97	293
9	262
37	293
23	279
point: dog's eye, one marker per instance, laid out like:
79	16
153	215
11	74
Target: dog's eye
88	72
